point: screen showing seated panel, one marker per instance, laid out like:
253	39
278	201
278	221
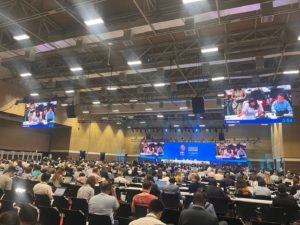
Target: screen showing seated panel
151	148
231	151
41	114
258	105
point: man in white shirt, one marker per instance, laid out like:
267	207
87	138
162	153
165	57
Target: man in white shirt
155	211
261	189
5	179
104	203
120	178
219	176
44	188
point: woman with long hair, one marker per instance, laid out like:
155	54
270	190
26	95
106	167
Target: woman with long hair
252	109
57	179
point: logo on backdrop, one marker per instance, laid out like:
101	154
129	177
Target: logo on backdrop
182	149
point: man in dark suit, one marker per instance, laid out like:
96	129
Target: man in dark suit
212	191
197	215
172	188
287	202
227	181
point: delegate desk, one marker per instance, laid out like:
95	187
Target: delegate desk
251	200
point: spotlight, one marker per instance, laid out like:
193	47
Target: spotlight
21	37
209	50
217	78
76	69
93	21
132	63
34	94
25	75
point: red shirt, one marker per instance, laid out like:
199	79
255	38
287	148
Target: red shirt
143	199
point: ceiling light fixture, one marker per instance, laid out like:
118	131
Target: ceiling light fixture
85	112
92	22
220	95
115	110
64	104
191	115
25	75
133	100
142	122
69	91
217	78
299	38
76	69
160	116
159	85
34	94
148	109
202	125
190	1
129	127
183	107
265	124
119	123
111	88
96	102
21	37
231	125
209	50
132	63
291	72
176	125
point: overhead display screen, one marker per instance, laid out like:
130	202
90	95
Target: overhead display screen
231	151
41	114
258	105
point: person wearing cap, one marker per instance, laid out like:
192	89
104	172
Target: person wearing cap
6	179
153	216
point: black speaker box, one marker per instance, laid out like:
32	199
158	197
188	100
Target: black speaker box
102	156
221	136
71	111
198	105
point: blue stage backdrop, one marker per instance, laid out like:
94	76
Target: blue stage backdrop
190	150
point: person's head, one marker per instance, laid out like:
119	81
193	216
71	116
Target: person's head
280	97
28	214
147	187
95	170
196	178
10	171
9	218
253	103
261	182
199	198
212	182
172	180
281	188
91	181
241	183
120	173
81	175
295	180
156	207
28	170
105	187
45	177
148	178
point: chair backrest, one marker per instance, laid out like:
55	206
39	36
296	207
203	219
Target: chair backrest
138	185
263	223
170	216
188	200
130	193
73	217
140	211
99	219
220	205
42	200
171	201
72	190
231	220
49	216
60	202
124	220
80	204
8	195
124	210
6	205
262	197
274	214
246	210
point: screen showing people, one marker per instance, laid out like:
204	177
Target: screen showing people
40	114
258	105
231	151
151	148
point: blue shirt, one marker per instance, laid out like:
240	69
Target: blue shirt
283	106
